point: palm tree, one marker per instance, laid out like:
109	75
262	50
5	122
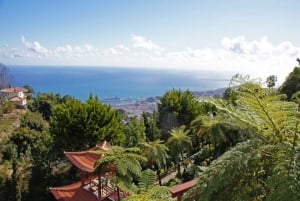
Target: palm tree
178	143
156	153
125	164
264	167
271	81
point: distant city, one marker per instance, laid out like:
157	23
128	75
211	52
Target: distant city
135	107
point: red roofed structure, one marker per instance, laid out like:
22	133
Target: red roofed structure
99	187
91	187
180	189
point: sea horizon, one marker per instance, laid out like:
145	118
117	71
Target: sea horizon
113	82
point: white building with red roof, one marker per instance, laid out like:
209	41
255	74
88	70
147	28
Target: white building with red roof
16	95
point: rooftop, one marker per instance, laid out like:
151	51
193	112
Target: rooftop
85	160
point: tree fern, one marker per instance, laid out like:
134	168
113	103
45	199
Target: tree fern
123	162
262	168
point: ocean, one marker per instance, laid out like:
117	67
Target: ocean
112	82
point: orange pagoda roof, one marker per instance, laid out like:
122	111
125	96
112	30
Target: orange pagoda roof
85	160
73	192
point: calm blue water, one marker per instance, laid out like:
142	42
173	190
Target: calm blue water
113	82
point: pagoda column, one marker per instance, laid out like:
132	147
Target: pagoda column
82	177
99	187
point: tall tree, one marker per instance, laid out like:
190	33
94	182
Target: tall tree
124	163
291	84
135	132
152	130
177	108
6	79
271	81
85	124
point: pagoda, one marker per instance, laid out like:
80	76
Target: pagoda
91	187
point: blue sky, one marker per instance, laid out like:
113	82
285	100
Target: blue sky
257	37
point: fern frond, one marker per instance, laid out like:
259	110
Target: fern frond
147	180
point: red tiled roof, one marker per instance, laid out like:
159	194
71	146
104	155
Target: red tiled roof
13	90
85	160
73	192
182	188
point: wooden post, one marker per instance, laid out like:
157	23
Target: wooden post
82	177
99	187
179	197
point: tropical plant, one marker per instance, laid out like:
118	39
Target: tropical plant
148	191
179	142
156	154
265	167
156	193
124	163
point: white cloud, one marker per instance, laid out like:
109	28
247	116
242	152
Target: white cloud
117	50
259	58
144	43
34	47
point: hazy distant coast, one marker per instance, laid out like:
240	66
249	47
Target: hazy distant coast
136	106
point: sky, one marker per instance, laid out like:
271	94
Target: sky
255	37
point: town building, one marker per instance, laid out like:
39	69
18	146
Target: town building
16	95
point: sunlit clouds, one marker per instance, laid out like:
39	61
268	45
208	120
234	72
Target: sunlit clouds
258	57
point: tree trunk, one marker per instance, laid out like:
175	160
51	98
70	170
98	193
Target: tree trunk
118	193
158	176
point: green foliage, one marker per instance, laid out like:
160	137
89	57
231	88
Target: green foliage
148	191
30	92
262	168
271	81
177	108
218	133
230	95
179	141
6	106
135	132
44	103
157	193
156	153
28	151
151	126
124	163
34	121
146	181
84	125
292	83
296	97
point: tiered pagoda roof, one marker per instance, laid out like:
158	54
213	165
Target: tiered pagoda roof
85	160
88	188
73	192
